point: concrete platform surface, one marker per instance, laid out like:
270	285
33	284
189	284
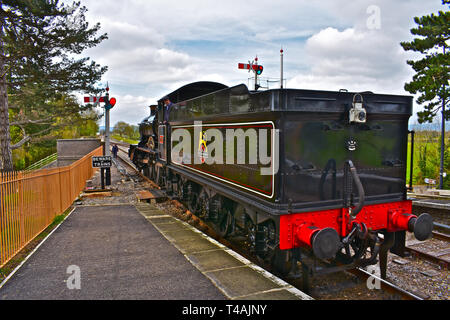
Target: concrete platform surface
432	203
115	253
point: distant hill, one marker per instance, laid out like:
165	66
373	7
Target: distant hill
100	128
429	126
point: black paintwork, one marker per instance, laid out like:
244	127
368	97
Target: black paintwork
316	139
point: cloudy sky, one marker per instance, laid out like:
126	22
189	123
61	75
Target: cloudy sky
156	46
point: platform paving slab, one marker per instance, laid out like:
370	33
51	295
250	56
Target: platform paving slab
120	256
214	260
277	294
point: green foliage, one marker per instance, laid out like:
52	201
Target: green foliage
432	71
82	125
427	153
126	140
125	130
120	128
41	42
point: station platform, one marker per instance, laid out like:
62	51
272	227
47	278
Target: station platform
432	203
137	252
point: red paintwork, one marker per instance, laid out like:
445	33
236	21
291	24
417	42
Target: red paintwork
399	220
305	232
388	216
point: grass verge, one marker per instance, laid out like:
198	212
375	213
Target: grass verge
126	140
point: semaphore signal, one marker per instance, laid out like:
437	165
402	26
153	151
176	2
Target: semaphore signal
109	104
92	99
253	66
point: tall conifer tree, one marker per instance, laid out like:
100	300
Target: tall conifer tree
40	46
432	71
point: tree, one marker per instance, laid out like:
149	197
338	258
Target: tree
82	125
40	44
432	71
121	128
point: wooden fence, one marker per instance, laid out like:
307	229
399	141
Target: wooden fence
29	201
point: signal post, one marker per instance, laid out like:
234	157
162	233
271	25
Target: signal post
253	66
109	104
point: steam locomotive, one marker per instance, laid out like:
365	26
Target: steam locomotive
316	177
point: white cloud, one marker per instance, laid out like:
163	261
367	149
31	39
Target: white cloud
130	109
353	59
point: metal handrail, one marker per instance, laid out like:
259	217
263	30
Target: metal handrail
42	162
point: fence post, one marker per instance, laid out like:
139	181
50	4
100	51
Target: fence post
2	228
61	209
21	209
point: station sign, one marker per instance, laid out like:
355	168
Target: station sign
102	162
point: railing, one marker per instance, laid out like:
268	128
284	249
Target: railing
30	200
42	162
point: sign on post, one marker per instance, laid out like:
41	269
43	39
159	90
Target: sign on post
102	162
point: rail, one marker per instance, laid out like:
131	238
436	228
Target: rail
439	257
30	200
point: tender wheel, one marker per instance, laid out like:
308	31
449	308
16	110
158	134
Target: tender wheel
224	222
146	172
181	190
204	205
193	203
160	176
151	172
281	262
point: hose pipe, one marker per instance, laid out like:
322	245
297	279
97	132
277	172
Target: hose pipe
359	187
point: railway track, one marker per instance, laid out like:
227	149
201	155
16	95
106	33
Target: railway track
356	279
123	155
385	285
439	255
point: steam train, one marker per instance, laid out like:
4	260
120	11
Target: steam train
316	177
